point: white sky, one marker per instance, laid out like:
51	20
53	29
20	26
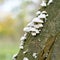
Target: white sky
7	7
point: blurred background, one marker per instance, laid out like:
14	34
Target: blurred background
14	16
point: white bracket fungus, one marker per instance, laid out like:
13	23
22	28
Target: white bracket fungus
49	2
25	58
40	25
21	47
39	30
34	30
46	15
25	35
14	57
38	12
44	12
37	20
25	51
23	38
26	29
21	43
35	26
43	4
34	55
42	16
33	33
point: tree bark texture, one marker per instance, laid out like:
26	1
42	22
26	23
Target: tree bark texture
49	38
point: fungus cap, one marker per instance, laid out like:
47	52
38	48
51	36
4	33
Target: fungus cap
25	51
43	4
49	2
44	12
37	20
35	55
23	38
26	29
14	57
42	16
38	12
40	25
21	47
25	58
33	33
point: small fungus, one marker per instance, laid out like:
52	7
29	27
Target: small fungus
23	38
37	20
43	4
25	34
25	51
38	12
34	55
42	16
27	29
14	57
40	25
21	43
44	12
21	47
25	58
49	2
33	33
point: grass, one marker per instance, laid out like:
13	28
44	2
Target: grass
7	50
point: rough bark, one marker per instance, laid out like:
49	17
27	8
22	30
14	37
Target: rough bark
50	30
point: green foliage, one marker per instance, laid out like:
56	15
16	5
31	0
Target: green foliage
7	50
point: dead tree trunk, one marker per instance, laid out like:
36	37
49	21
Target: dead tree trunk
45	45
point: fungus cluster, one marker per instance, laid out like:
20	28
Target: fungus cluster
23	38
36	24
34	55
25	58
34	27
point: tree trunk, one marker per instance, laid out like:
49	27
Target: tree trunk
46	44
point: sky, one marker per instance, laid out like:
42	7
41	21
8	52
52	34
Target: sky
7	6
